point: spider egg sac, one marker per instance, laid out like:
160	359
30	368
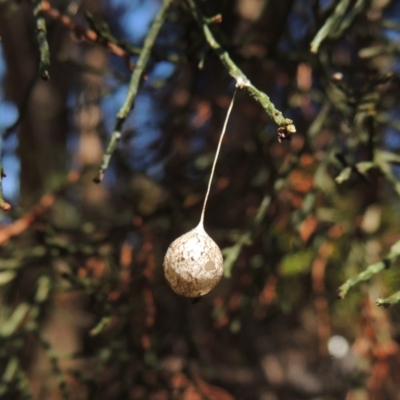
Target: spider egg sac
193	264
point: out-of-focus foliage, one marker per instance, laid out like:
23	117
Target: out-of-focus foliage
85	312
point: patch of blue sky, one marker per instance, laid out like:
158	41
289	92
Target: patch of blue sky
73	134
11	164
72	99
141	151
396	170
12	168
395	65
392	11
2	63
392	34
110	106
110	177
8	114
325	4
72	145
391	138
141	156
161	70
300	21
197	139
10	183
298	27
10	144
8	110
144	138
134	17
278	95
156	171
118	65
144	112
197	143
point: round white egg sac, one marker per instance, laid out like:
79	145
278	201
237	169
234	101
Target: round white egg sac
193	264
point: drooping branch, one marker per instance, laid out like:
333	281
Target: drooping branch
286	127
133	88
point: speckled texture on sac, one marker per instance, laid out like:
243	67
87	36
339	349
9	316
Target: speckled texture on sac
193	264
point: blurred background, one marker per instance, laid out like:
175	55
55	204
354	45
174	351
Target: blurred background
85	311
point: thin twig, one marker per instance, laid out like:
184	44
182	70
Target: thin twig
370	271
47	200
133	88
286	127
330	25
44	61
353	12
85	33
361	277
389	301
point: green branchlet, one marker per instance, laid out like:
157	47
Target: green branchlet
286	126
133	88
371	271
